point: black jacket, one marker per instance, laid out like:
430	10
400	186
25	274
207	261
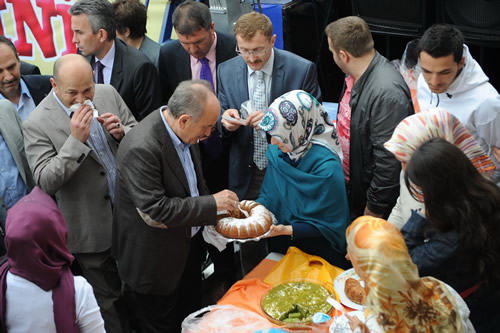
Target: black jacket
380	99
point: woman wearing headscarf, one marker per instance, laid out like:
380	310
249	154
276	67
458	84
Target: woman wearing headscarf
38	292
304	185
415	130
459	240
396	296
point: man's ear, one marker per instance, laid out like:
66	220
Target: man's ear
461	63
53	83
344	56
183	120
103	35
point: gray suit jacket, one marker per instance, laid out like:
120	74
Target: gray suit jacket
11	130
154	210
290	72
70	170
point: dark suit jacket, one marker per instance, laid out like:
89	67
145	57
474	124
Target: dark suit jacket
175	64
38	85
175	67
28	69
154	210
136	79
290	72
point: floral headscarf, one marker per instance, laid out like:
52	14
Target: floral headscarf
298	120
419	128
399	299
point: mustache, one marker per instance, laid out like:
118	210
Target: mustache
9	82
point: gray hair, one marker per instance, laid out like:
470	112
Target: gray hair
189	98
191	16
100	13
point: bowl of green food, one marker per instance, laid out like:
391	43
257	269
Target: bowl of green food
296	301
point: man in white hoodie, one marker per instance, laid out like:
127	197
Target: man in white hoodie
453	80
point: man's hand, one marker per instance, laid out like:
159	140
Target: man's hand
370	213
254	119
226	200
111	123
280	230
79	124
231	125
496	153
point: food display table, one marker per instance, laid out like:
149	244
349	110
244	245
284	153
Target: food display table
247	293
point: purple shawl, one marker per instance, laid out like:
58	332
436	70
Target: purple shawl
36	239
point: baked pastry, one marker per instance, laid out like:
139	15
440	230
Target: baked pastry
296	301
235	224
354	291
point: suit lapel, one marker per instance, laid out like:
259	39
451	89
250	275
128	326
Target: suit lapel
278	77
242	81
169	153
117	72
10	128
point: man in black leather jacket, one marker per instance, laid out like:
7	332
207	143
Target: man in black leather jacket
375	99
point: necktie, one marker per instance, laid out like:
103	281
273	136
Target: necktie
98	142
259	103
213	144
206	73
99	67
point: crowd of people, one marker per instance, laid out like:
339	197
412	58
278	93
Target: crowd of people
119	160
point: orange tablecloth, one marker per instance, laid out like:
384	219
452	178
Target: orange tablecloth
247	292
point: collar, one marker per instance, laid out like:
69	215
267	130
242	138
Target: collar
268	67
61	104
24	88
175	139
108	59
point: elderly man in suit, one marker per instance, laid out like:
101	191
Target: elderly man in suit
71	139
163	208
25	91
114	62
196	55
15	174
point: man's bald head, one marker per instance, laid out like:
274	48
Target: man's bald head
73	80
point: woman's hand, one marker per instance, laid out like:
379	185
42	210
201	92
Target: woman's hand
280	230
354	323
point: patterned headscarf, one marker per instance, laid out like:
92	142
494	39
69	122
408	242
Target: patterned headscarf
419	128
399	299
298	120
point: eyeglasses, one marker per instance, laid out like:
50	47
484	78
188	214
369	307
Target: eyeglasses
256	53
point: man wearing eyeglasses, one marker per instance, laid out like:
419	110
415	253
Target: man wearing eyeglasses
260	75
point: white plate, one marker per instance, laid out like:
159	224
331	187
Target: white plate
338	285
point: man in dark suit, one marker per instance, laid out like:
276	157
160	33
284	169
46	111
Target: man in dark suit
281	72
155	235
284	72
25	91
182	60
114	62
72	156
